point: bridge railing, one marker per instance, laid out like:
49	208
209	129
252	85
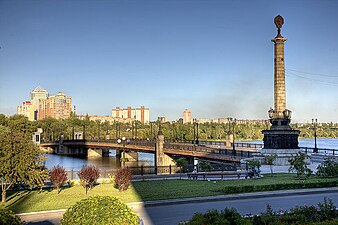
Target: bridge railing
148	170
248	145
208	150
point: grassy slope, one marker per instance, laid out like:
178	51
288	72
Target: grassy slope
30	201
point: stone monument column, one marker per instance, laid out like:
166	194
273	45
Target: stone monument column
281	139
279	77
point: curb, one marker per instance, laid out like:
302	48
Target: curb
42	212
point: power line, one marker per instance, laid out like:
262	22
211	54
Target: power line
314	74
312	79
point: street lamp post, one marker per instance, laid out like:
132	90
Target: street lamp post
194	125
314	127
84	132
135	129
233	135
107	131
197	141
123	140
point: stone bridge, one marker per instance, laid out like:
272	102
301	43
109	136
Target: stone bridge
163	150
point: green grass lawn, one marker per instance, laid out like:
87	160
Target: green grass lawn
31	201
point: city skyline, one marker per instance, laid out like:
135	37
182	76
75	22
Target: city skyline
214	58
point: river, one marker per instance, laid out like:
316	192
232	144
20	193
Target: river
147	159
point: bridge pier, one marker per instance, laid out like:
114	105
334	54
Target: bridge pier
98	152
229	140
131	156
161	159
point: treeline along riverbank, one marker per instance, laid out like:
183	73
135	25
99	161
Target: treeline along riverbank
53	129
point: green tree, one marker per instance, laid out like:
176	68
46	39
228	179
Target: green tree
181	162
299	164
252	163
269	160
205	166
20	159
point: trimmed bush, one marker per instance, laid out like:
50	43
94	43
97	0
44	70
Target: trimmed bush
88	176
58	176
123	179
274	187
100	210
8	217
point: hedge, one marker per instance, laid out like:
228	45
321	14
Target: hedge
274	187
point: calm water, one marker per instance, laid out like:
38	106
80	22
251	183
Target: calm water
147	159
104	163
331	143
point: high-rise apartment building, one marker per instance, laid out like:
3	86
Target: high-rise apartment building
30	108
130	114
186	116
36	95
58	106
26	109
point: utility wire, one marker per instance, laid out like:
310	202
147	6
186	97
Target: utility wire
314	74
311	79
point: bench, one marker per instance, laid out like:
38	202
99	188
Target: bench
195	175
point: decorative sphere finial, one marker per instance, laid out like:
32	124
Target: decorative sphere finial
279	21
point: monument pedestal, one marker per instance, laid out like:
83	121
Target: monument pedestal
280	138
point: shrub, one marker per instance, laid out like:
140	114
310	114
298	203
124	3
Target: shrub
8	217
58	177
205	166
228	216
123	179
328	168
327	210
298	163
299	215
252	163
88	176
100	210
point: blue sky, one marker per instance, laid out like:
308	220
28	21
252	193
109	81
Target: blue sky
212	57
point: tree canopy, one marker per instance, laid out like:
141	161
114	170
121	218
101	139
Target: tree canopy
20	159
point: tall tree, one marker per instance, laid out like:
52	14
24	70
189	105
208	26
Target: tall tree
20	159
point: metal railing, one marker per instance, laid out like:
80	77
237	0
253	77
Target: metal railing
323	151
148	170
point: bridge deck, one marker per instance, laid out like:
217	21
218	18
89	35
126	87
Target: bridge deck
201	151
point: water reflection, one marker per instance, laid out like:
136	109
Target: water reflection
105	163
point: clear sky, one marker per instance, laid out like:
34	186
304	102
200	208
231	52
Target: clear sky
212	57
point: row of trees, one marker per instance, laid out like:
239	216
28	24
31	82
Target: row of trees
55	129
